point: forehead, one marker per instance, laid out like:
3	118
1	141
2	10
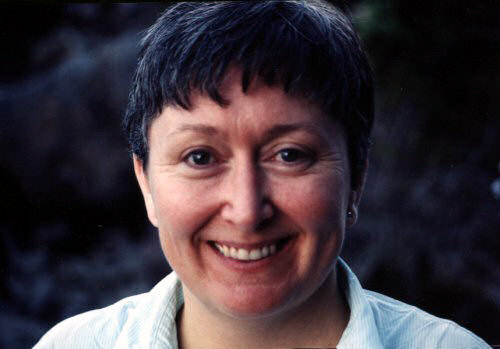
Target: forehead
259	101
252	118
256	110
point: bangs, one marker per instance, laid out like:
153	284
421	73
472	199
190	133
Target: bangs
309	48
303	57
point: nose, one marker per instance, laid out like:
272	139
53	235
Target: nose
247	205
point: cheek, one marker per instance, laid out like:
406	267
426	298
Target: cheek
316	204
182	210
315	208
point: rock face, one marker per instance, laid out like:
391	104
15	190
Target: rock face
73	229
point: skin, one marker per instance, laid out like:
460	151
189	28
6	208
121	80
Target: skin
268	166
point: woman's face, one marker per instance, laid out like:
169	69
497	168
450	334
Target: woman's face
250	199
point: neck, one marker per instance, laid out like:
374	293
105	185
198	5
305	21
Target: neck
317	322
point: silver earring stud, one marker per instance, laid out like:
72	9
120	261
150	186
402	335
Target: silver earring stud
349	214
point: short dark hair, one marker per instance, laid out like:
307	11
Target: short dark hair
308	47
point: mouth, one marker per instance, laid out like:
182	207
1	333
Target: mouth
250	254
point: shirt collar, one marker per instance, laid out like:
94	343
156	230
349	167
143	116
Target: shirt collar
152	324
361	330
156	327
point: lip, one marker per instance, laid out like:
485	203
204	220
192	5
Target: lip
253	266
250	246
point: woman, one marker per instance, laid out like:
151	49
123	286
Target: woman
249	124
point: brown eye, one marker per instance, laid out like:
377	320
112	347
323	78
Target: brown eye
200	158
291	155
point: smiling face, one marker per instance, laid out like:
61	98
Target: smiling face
250	199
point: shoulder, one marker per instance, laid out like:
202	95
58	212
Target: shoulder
102	328
405	326
93	329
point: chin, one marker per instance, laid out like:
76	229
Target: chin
255	302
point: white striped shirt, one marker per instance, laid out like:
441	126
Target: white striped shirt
148	321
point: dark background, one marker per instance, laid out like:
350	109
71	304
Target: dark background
73	229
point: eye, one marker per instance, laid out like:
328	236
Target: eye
199	158
290	155
293	156
293	159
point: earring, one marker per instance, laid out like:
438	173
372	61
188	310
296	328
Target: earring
349	214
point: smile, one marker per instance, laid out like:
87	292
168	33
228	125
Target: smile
243	254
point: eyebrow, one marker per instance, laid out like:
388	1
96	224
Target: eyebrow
283	129
205	129
275	132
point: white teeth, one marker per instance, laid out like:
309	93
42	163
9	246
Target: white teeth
255	254
220	248
233	252
244	254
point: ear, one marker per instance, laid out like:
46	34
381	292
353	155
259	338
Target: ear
142	178
355	196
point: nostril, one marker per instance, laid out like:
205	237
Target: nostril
266	217
267	210
248	218
263	224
